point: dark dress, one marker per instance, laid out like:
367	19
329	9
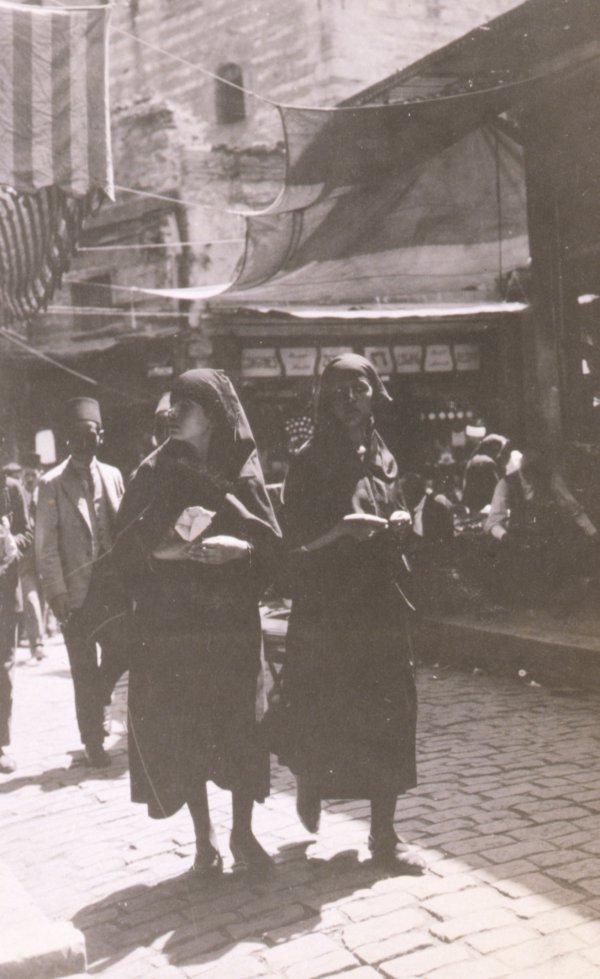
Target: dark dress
196	673
348	692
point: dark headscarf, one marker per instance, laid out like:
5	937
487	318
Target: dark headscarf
232	441
330	441
343	364
230	481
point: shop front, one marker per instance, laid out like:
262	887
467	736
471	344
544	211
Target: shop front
451	374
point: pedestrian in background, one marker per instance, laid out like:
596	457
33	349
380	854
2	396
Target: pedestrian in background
197	535
33	601
483	470
15	540
345	724
544	533
75	523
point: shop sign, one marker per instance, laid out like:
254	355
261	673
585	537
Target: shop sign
299	361
260	362
467	356
327	354
381	358
408	359
160	370
438	358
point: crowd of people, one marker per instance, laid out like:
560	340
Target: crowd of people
164	577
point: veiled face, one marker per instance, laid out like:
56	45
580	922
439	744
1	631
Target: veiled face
189	422
350	396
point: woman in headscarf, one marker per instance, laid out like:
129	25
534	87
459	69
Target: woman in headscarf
486	466
346	720
196	670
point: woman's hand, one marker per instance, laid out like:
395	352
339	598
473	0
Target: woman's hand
218	550
401	524
361	526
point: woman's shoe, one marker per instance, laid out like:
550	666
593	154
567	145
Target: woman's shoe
208	864
308	806
249	856
385	856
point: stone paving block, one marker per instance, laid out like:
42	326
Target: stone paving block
516	851
466	902
363	972
481	969
504	937
538	904
573	872
423	963
471	924
373	906
563	967
476	844
379	929
526	885
389	948
263	923
300	950
540	950
561	918
339	961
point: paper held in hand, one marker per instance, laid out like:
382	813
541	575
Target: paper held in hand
192	522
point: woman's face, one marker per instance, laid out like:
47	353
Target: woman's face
351	398
189	422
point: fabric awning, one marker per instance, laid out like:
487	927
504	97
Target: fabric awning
55	159
422	199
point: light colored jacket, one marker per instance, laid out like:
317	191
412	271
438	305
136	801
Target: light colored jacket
63	532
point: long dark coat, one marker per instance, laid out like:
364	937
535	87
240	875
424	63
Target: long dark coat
196	672
349	700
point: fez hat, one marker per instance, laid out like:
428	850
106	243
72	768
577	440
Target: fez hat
83	410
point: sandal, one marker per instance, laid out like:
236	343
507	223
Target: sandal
385	856
208	864
308	805
249	856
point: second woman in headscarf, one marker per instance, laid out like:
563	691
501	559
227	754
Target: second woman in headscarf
346	726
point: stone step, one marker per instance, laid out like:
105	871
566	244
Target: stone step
32	944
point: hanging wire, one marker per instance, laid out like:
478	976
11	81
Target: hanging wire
13	338
338	108
179	200
114	311
175	244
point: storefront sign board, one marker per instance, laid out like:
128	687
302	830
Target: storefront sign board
467	356
260	362
381	358
408	359
438	358
299	361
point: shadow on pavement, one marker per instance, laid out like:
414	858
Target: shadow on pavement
201	923
76	772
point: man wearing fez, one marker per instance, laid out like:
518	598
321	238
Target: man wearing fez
76	510
15	539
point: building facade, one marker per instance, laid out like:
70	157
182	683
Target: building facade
188	150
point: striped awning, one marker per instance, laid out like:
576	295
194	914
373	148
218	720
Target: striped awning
55	157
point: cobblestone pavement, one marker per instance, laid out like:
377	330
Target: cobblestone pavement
506	816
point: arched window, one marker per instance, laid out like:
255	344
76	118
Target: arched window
229	101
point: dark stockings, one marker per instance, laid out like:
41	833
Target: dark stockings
242	805
383	809
203	827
